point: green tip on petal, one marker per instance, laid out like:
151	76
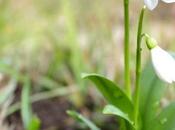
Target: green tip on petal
150	42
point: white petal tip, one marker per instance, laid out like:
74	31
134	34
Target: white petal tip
151	4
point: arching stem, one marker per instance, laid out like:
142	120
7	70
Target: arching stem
138	67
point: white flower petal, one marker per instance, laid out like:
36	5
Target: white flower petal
151	4
164	64
168	1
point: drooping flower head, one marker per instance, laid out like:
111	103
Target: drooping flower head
151	4
163	62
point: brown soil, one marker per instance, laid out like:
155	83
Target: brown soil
52	113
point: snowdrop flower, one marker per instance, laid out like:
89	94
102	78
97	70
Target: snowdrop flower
163	62
151	4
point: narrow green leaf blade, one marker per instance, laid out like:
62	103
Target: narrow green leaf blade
151	92
165	120
83	119
26	112
112	93
110	109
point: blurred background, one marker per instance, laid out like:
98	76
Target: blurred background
51	42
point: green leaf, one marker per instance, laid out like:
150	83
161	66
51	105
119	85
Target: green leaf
151	91
165	120
34	124
26	111
83	119
112	93
110	109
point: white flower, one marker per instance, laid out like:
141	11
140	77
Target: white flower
164	64
151	4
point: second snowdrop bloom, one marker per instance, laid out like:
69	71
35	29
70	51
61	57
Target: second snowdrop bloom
163	62
151	4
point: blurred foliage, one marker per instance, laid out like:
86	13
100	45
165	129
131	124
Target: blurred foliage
54	41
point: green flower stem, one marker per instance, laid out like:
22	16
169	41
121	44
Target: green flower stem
138	66
126	49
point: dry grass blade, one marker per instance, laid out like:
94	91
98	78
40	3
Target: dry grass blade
3	110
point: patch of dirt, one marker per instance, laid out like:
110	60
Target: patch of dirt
52	113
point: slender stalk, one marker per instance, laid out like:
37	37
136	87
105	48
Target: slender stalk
138	66
126	49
